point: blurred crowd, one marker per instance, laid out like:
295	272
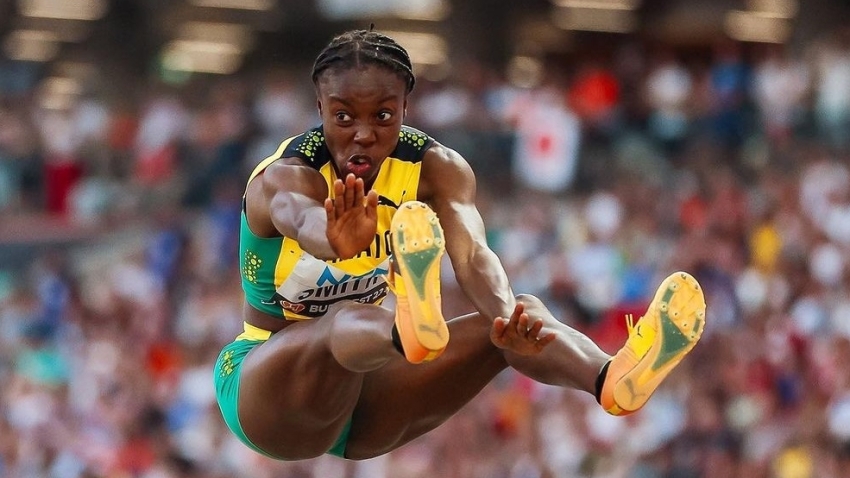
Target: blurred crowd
595	183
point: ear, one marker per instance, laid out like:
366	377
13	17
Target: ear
319	106
404	111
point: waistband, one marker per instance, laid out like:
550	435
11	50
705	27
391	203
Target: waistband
249	332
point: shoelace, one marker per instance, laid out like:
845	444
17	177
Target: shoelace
632	327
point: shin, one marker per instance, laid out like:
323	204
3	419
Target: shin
572	360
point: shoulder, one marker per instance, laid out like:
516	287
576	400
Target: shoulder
309	147
412	144
445	172
296	163
441	156
417	146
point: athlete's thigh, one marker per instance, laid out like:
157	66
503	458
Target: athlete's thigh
294	398
401	401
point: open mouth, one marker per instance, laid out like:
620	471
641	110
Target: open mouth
359	164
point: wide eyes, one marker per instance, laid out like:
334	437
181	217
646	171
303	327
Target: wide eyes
342	117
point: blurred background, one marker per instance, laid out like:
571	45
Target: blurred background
614	141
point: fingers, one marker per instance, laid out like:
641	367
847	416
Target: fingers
330	210
520	333
350	193
535	329
372	204
515	316
500	325
519	324
526	331
533	335
544	341
522	325
339	197
352	185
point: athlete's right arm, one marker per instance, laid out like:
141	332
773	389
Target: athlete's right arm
299	207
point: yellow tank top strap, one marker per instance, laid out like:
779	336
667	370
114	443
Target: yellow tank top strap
269	160
253	333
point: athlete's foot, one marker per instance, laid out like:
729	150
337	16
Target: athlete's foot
418	246
657	343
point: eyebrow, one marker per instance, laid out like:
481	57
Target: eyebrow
346	103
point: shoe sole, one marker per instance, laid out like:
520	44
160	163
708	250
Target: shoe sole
678	313
418	246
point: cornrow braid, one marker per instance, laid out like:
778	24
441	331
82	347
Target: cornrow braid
358	47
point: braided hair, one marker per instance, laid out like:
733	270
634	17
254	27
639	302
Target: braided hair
359	47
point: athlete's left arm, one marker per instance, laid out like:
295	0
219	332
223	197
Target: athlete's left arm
448	184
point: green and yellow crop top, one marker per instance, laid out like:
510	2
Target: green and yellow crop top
282	280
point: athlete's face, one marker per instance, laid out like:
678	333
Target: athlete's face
362	110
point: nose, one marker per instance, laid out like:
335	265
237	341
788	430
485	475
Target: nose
364	134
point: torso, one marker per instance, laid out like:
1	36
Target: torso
282	283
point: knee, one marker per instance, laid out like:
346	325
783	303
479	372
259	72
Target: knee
529	300
534	306
357	333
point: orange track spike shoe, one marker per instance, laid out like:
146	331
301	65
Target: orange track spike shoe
418	246
670	329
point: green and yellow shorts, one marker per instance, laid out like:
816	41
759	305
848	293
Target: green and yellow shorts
227	371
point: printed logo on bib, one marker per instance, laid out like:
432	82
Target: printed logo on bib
331	287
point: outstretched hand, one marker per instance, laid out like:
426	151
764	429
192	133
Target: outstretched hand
516	335
352	217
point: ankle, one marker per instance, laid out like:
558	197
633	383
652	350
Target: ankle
600	382
397	340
